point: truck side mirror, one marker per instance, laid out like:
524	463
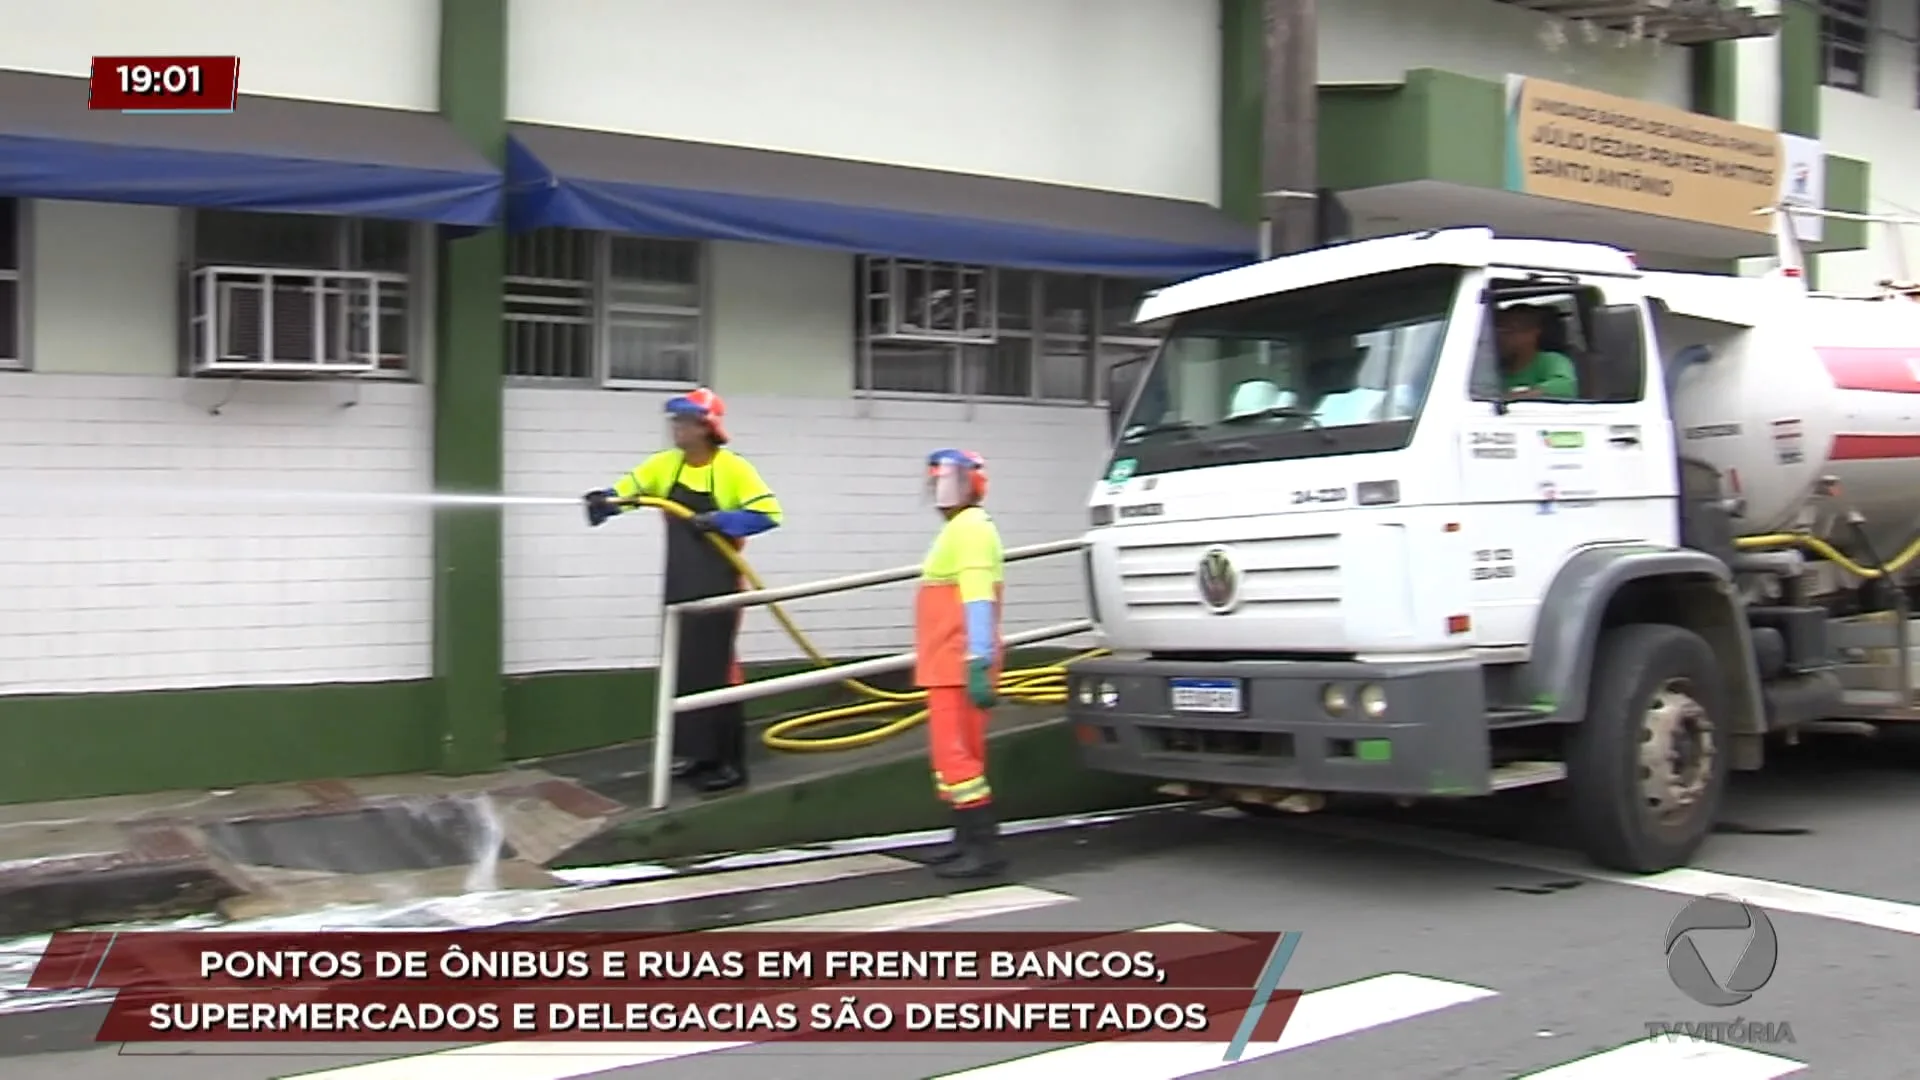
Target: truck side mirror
1123	379
1617	333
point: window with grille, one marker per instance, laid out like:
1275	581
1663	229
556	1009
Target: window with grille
12	349
612	310
1846	43
984	332
301	293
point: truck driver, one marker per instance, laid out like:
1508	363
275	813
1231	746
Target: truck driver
1528	371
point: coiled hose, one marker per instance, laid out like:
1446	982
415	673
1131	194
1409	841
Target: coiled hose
1025	686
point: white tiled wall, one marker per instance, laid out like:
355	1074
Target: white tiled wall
145	543
850	477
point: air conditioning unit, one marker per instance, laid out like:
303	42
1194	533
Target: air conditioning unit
256	320
909	300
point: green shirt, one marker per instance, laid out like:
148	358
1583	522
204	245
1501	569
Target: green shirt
1550	373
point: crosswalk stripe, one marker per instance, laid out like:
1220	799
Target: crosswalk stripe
1317	1017
1668	1057
678	890
1870	911
879	842
915	914
565	1061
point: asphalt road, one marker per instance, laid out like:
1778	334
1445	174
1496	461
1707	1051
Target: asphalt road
1490	953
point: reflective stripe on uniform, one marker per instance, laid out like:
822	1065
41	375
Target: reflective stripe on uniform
967	792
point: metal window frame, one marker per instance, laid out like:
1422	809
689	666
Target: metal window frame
22	360
1865	19
1035	336
604	311
214	297
599	318
418	282
896	268
1090	340
864	341
590	306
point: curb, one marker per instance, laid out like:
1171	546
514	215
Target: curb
82	890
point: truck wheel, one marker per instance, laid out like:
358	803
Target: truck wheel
1647	766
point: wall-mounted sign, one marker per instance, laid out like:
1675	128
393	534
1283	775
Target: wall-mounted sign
1583	146
1803	182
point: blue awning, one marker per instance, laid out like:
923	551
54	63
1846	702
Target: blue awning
641	186
270	154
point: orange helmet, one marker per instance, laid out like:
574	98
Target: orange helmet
956	478
705	406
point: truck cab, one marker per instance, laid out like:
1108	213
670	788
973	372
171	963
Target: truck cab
1340	546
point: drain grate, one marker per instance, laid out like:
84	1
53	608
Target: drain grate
428	834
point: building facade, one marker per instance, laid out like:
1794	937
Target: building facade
470	247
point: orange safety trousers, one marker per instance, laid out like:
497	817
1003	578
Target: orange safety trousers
956	727
957	742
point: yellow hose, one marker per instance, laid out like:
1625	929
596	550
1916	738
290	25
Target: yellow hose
1025	686
1829	552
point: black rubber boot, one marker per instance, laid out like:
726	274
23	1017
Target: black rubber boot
722	778
953	848
979	848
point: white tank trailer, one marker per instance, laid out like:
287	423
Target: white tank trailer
1387	575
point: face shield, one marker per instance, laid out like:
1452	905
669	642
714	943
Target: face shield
953	481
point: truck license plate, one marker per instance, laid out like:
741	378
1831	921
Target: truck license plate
1205	695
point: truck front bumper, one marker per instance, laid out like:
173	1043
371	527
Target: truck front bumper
1428	735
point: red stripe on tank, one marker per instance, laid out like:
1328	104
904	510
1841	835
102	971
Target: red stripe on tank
1888	370
1875	447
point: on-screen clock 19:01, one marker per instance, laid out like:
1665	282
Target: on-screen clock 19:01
182	79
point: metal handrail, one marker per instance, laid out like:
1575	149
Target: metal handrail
668	704
828	586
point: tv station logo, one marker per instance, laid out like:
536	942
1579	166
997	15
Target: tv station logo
164	84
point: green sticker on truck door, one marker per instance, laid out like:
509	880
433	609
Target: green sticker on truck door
1563	440
1121	471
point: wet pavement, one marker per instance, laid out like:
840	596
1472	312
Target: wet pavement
1455	944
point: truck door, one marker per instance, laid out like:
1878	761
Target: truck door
1545	471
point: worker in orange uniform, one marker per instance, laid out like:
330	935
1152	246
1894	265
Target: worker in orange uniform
728	499
957	647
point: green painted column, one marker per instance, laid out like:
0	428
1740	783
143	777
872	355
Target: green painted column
1800	83
467	418
1714	71
1799	69
1243	77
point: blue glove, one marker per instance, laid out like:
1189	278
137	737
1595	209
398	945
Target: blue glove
980	682
600	507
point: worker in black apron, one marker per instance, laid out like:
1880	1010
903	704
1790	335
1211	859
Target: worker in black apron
729	499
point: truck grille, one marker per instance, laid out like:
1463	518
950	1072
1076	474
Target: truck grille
1291	577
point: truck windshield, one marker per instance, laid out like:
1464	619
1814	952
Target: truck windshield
1341	368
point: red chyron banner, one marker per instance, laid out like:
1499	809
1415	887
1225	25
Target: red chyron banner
726	986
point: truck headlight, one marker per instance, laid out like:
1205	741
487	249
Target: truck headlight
1333	698
1109	695
1373	701
1086	691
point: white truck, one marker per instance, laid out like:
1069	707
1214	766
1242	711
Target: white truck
1332	553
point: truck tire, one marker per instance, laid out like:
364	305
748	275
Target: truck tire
1647	766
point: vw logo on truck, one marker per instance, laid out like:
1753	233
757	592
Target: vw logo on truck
1219	581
